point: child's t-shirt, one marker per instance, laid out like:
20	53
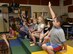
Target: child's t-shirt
40	26
35	26
57	36
24	29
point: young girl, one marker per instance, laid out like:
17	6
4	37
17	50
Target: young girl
38	33
46	31
48	25
12	33
12	29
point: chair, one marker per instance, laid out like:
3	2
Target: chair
71	33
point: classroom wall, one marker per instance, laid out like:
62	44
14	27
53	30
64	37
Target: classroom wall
59	10
65	10
70	14
41	8
3	3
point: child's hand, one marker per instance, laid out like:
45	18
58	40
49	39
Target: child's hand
49	4
63	51
3	36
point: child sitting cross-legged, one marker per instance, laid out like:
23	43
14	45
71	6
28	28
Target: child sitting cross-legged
57	37
46	30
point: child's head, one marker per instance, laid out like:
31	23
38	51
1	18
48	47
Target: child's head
30	20
16	23
34	21
25	22
49	23
41	19
57	22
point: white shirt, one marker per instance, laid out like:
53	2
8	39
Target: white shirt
40	26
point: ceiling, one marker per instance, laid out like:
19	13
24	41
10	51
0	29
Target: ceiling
32	2
37	2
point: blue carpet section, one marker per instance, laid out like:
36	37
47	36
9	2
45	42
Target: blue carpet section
1	40
14	43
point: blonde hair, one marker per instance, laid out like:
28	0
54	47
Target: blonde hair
43	20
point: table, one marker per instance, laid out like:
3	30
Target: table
67	26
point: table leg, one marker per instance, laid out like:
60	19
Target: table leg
67	33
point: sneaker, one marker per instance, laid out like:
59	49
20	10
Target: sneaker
39	44
32	44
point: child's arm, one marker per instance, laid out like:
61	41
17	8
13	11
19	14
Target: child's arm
39	30
65	46
46	33
61	37
5	39
51	11
33	30
49	32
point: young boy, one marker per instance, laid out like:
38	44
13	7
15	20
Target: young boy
57	36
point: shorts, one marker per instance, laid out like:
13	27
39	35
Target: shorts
56	47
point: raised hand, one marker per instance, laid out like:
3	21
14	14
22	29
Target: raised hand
49	4
51	11
5	39
3	36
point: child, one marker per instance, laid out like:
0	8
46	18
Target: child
3	36
39	31
34	25
30	22
12	29
12	33
24	30
57	36
33	28
46	31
